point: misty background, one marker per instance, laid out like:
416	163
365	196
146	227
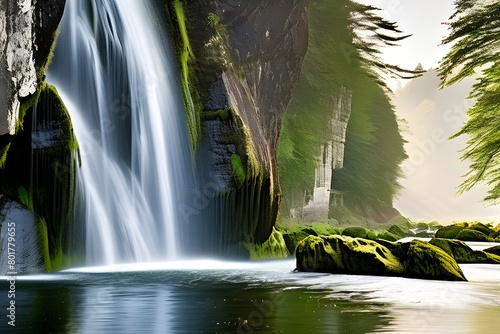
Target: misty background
429	117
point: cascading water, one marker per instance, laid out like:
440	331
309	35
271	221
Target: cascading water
114	69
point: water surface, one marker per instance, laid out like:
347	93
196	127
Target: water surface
255	297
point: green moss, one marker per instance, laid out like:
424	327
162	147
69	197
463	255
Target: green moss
342	254
355	232
346	255
48	61
477	226
463	253
388	236
424	260
24	197
44	243
400	230
274	247
449	232
222	115
238	170
26	104
4	149
493	250
293	231
51	262
213	20
185	55
471	235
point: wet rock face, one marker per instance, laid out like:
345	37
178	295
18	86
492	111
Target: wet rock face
21	224
253	74
27	31
268	41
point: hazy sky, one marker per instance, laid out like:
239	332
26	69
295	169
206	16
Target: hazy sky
432	174
422	19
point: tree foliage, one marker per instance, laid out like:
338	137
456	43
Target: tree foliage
475	32
345	41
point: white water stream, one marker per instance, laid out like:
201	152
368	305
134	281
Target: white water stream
115	72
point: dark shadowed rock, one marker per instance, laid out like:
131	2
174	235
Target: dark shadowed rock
463	253
493	250
248	65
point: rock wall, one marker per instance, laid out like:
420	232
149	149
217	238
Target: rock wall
260	48
37	145
27	30
21	223
331	157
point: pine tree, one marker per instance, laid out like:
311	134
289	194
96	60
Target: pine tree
475	32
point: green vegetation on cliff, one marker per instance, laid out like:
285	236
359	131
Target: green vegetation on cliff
344	42
40	170
175	10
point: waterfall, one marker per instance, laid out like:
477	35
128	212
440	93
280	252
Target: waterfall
115	71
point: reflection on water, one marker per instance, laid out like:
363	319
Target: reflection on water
258	297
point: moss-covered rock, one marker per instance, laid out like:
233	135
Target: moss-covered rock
449	232
293	234
423	260
464	231
388	236
401	231
273	248
463	253
355	232
40	171
471	235
493	250
345	255
477	226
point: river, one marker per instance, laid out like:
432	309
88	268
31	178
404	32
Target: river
208	296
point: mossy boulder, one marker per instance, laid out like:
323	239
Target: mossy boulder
401	231
449	232
345	255
464	231
272	248
471	235
463	253
355	232
477	226
426	261
493	250
293	238
388	236
293	233
421	226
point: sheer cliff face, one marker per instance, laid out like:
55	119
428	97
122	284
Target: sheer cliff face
255	72
27	31
269	41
